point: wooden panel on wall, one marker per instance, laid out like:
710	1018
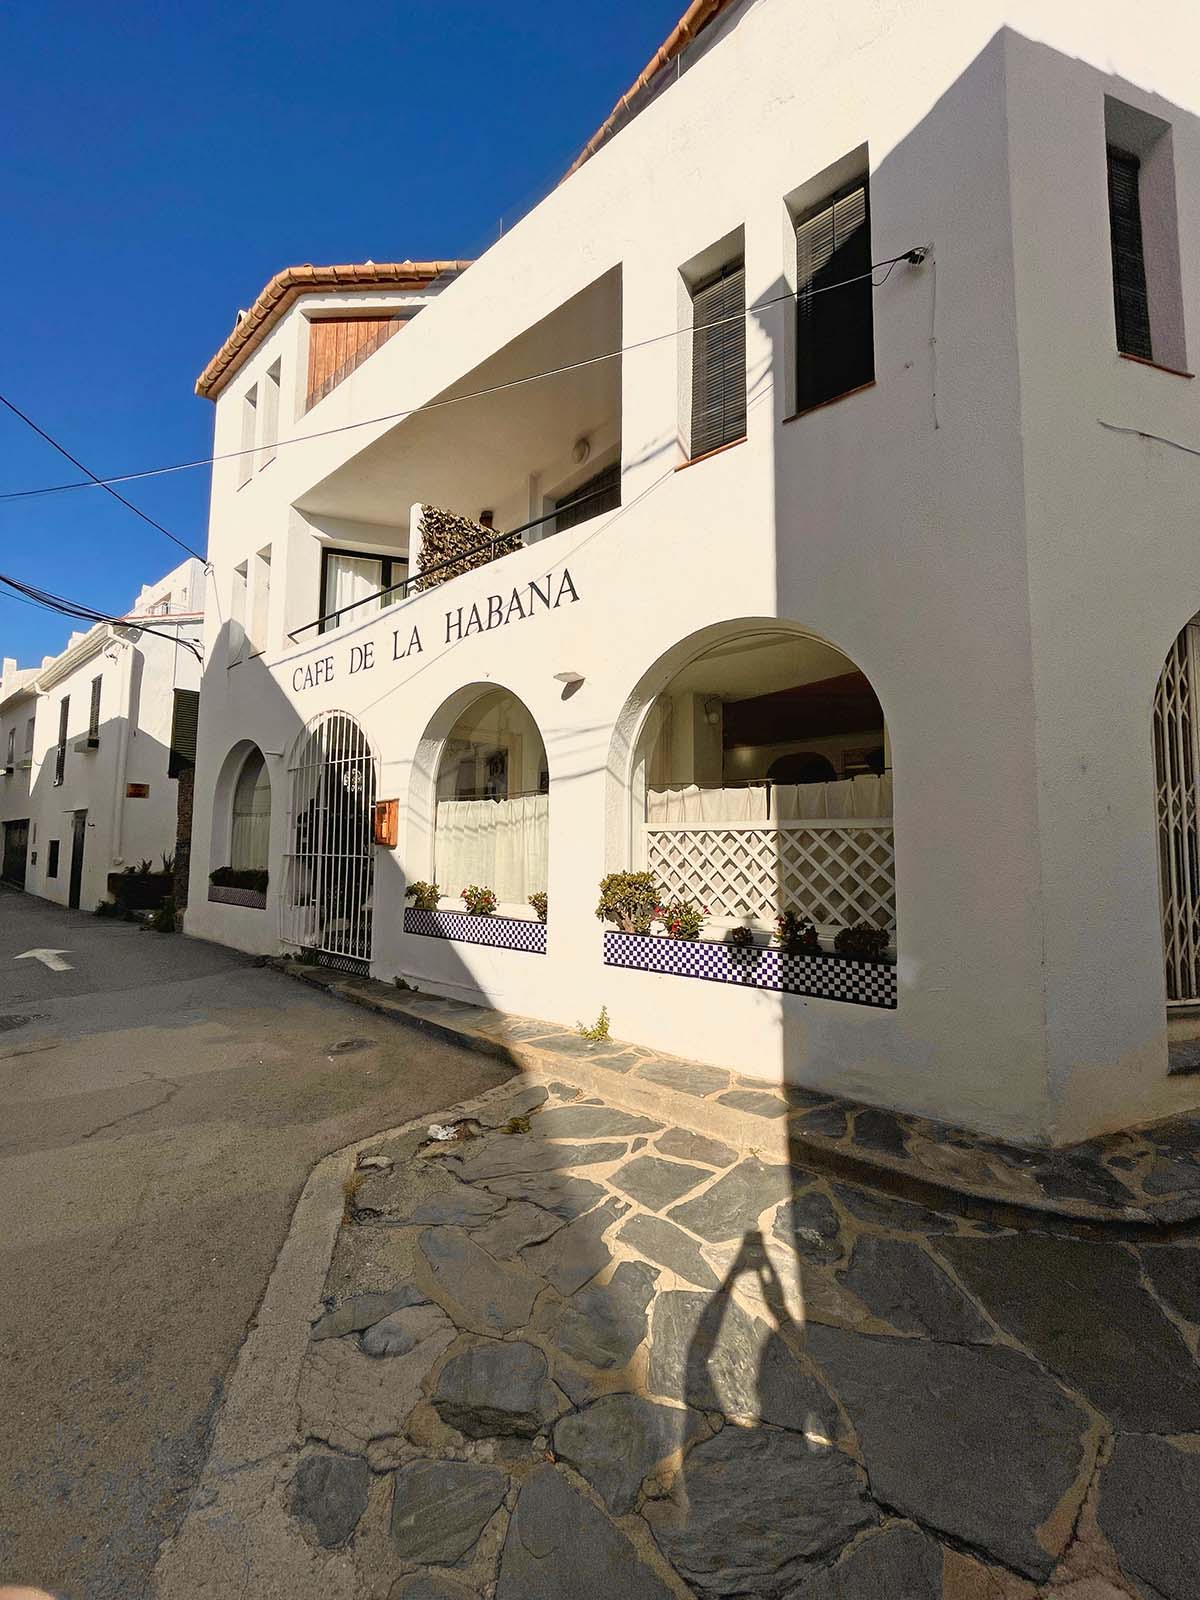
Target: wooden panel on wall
387	815
336	345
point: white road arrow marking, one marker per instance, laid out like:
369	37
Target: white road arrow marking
49	958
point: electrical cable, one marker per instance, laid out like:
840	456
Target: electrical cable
98	482
914	256
75	609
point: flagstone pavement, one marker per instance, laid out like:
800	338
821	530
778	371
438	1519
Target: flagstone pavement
577	1352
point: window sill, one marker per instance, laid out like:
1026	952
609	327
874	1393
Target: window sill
720	449
823	405
1141	361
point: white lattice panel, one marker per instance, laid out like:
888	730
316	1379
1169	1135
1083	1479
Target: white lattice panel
832	872
1175	764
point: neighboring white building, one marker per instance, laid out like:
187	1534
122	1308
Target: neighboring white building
94	787
886	650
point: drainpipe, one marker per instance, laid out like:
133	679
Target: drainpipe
126	699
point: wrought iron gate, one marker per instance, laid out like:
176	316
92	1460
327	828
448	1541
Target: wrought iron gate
330	870
1176	771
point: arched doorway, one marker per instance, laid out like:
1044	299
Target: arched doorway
760	781
327	902
1177	781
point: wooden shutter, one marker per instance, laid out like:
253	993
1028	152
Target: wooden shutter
336	345
1128	255
185	714
719	359
835	336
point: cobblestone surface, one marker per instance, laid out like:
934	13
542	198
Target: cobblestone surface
780	1387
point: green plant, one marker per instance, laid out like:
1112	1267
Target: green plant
479	901
168	863
163	920
239	878
424	895
629	899
796	934
741	938
863	940
681	917
309	954
145	867
540	904
598	1029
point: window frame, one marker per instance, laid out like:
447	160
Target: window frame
60	749
810	394
388	566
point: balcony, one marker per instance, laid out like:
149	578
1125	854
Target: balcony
528	442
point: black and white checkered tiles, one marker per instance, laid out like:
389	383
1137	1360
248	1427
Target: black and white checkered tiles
861	983
502	933
253	899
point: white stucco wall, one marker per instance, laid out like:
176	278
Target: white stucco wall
962	531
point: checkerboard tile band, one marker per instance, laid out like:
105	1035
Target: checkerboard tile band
355	964
224	896
501	933
860	983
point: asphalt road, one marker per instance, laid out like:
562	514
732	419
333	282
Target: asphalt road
161	1105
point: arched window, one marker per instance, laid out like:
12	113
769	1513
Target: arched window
250	833
762	783
493	803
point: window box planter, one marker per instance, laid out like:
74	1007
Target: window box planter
819	974
501	933
226	895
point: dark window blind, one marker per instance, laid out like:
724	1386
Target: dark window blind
185	714
60	754
719	359
601	492
835	335
1130	300
94	711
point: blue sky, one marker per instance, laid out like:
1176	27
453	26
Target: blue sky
161	162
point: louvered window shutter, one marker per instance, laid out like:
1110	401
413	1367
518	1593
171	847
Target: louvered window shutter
835	335
719	359
1128	256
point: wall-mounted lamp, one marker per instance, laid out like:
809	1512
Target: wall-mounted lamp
712	709
581	449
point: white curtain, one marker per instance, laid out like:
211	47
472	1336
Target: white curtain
690	806
250	836
498	844
348	579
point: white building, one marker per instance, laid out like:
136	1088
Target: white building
93	787
909	292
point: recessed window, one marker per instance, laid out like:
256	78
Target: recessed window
52	859
237	615
249	428
718	376
94	712
354	579
11	757
270	421
260	601
1144	234
835	338
60	752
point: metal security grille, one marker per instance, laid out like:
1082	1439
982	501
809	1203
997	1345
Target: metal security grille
1176	764
330	869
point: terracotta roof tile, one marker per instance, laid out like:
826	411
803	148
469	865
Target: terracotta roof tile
286	287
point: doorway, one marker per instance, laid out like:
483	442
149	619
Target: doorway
78	835
16	852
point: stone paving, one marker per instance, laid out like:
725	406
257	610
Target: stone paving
579	1352
1142	1175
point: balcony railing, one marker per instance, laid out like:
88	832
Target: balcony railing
466	560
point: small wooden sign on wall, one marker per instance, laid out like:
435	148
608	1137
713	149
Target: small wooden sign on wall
387	818
137	791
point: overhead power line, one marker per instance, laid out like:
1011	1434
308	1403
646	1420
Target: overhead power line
100	483
914	256
30	594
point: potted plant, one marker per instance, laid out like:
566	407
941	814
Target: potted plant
480	901
540	904
424	896
681	917
796	934
862	942
741	938
629	900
